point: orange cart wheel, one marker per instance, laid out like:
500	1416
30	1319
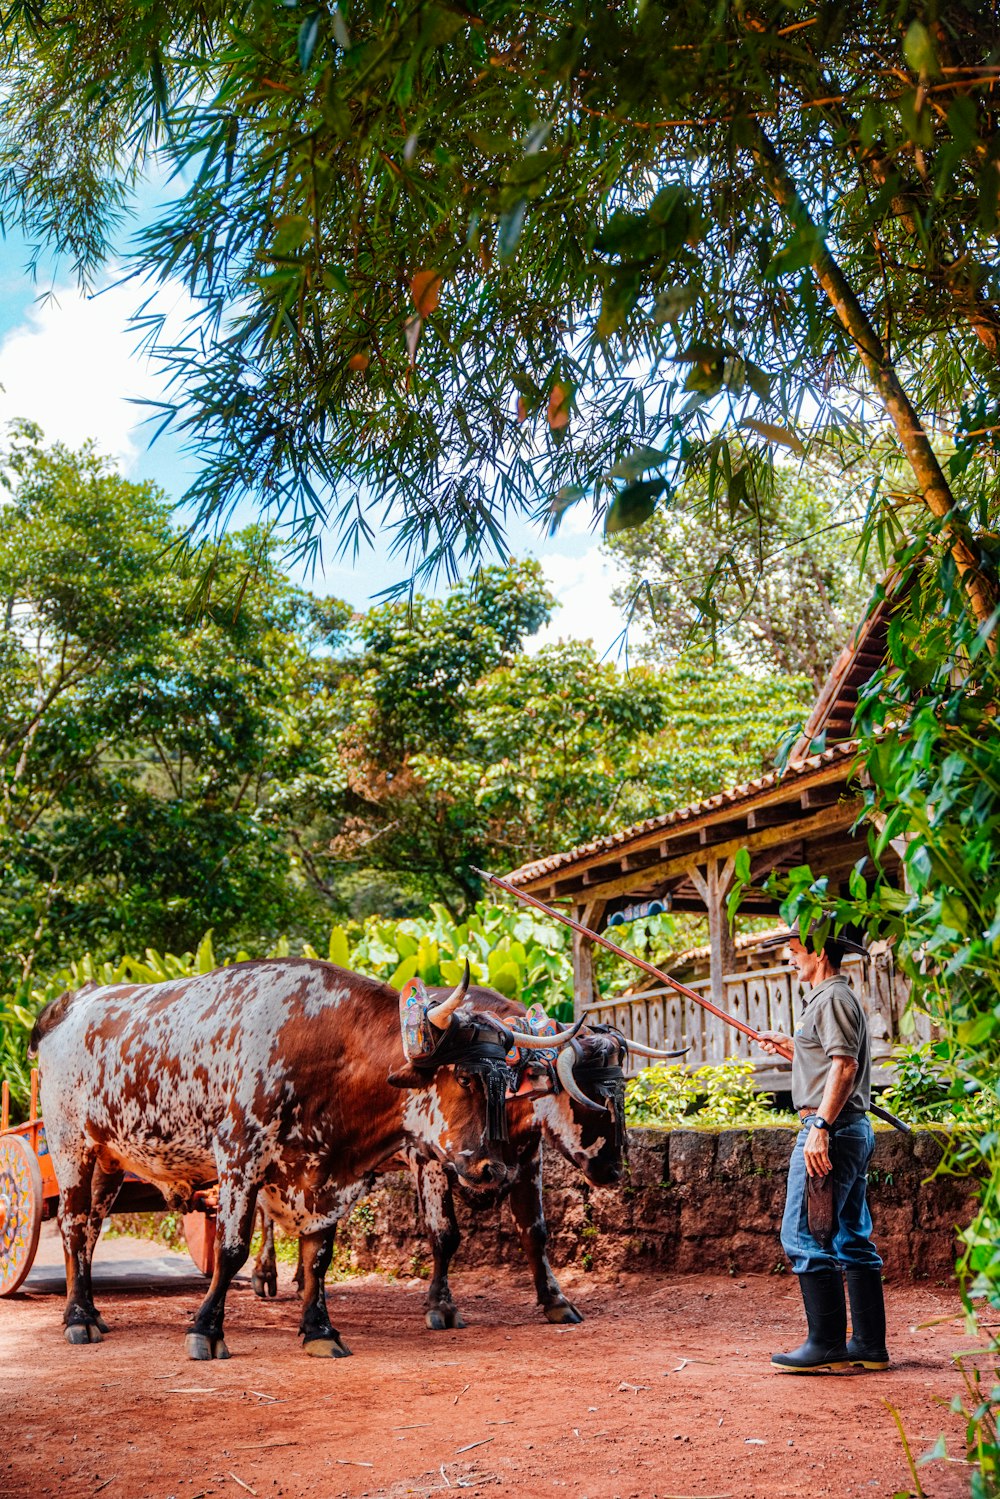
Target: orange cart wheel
20	1211
199	1233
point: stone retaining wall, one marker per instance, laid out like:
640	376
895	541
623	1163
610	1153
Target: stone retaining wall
692	1200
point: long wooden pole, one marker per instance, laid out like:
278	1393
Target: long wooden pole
656	973
665	978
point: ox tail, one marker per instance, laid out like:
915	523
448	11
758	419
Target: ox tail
50	1016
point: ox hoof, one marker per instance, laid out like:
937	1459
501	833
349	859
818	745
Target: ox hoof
100	1322
266	1284
439	1318
84	1332
199	1347
563	1312
326	1348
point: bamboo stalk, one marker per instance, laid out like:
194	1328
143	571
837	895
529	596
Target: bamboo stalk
881	371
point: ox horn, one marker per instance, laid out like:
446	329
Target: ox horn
440	1015
546	1043
564	1067
636	1049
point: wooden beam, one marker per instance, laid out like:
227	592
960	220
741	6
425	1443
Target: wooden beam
642	860
722	951
766	817
732	828
712	883
751	906
812	797
675	848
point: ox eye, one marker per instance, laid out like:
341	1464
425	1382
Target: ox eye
465	1078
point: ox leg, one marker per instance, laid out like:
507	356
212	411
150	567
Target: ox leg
104	1188
83	1204
265	1270
438	1208
299	1278
237	1209
320	1338
529	1219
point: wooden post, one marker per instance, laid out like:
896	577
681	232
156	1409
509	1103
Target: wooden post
713	886
584	989
33	1116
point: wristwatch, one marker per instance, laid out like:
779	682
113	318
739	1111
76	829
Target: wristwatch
820	1123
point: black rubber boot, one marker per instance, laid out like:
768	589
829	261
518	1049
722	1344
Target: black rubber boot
826	1315
867	1345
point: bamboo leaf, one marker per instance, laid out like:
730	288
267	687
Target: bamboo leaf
307	39
633	506
782	435
425	289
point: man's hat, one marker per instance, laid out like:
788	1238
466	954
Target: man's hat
842	940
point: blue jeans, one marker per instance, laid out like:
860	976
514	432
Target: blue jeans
851	1151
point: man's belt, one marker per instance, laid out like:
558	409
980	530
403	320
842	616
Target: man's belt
844	1118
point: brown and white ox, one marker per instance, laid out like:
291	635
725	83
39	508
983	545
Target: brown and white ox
284	1081
575	1104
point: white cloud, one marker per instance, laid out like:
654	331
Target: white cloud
72	367
583	585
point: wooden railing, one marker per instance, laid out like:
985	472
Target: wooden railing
769	999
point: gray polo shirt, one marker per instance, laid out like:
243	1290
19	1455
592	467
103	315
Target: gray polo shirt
834	1025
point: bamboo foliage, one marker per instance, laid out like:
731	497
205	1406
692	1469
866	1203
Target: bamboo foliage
503	259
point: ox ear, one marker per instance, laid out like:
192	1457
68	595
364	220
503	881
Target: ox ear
409	1077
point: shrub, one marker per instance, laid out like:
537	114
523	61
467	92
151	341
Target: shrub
716	1096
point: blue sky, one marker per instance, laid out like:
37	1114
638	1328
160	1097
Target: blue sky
69	363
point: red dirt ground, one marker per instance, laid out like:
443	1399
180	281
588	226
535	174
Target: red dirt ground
604	1409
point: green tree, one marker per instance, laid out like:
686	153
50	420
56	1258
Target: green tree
140	726
575	748
368	805
460	748
553	739
776	591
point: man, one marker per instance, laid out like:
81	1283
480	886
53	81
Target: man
831	1090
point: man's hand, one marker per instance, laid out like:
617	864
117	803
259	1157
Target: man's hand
817	1152
776	1043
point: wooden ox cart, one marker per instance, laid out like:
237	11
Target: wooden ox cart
29	1193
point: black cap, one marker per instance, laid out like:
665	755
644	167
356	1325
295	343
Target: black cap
841	939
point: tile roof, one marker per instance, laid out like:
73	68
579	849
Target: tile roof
746	942
734	796
833	710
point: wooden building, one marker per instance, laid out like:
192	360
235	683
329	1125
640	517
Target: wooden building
806	814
